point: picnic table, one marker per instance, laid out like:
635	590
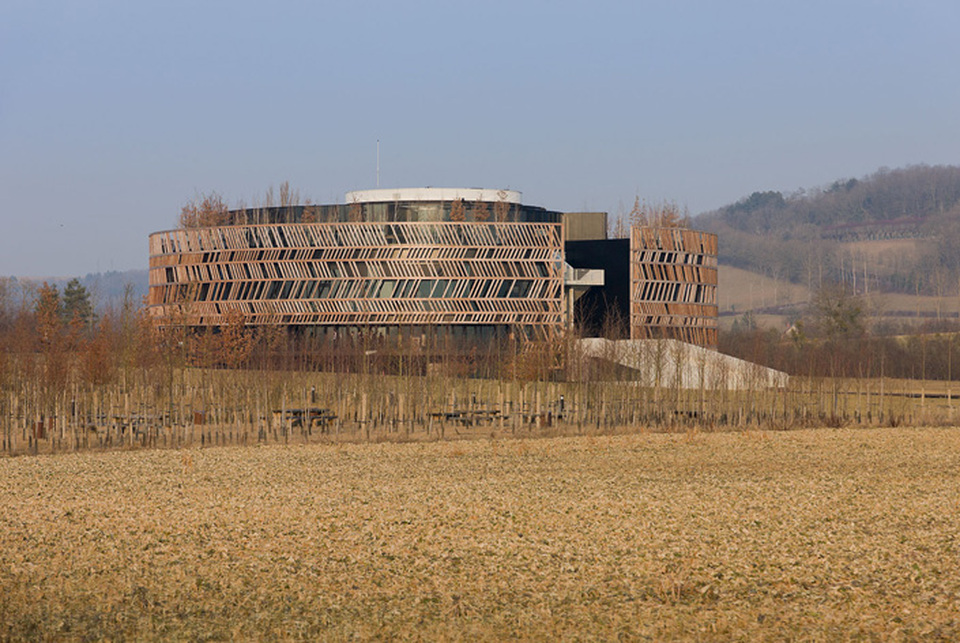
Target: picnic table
468	417
313	417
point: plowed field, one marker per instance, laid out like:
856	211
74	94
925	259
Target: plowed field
827	534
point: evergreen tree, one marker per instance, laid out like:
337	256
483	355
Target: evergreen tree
77	309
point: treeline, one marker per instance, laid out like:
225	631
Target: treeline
104	289
916	192
71	379
927	355
836	337
74	379
798	237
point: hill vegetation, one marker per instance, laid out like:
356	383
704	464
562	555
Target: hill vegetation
827	235
106	290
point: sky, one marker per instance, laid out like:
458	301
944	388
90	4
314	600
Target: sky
114	114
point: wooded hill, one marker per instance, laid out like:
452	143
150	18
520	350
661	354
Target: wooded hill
851	231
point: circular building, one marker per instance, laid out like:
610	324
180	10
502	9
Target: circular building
455	262
463	261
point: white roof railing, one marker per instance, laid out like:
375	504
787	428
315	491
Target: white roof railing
388	195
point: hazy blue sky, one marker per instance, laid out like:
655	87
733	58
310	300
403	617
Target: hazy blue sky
114	114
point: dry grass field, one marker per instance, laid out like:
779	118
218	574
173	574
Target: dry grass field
741	290
744	290
850	534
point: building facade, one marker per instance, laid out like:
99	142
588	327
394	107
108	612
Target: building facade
660	283
673	285
470	262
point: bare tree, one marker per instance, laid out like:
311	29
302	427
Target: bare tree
48	311
288	195
663	214
236	340
355	213
501	209
481	211
310	213
204	211
457	211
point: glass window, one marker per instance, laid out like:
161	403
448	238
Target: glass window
386	290
520	288
426	286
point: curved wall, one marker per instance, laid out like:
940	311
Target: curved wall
425	257
412	209
361	274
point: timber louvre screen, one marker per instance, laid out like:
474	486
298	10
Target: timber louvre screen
366	273
673	285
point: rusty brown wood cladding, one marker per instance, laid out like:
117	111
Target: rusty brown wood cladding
673	285
366	273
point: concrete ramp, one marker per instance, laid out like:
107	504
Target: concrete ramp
671	363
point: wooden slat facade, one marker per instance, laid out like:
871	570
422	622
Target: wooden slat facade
362	274
673	285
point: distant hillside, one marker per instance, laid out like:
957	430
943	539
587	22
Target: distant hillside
107	289
110	288
887	196
832	233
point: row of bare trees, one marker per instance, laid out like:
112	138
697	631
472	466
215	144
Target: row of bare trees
650	214
70	379
927	354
